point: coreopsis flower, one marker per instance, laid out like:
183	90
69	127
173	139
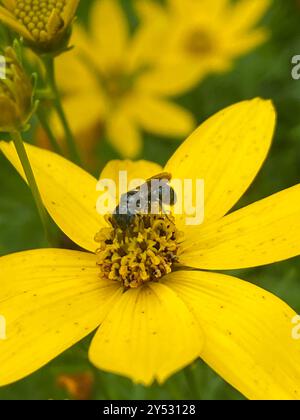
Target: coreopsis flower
202	37
44	25
170	314
16	94
106	72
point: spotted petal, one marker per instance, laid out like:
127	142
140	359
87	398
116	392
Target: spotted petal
149	334
50	299
247	331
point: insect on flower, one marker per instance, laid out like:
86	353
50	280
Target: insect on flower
178	306
150	197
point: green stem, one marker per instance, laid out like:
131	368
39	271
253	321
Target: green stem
45	124
20	148
73	151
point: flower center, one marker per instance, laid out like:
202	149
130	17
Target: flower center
42	18
199	43
117	83
146	251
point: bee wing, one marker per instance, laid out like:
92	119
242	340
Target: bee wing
163	175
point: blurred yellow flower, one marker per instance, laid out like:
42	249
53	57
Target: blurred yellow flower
53	298
201	37
103	83
45	25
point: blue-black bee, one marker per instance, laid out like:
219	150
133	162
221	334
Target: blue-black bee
152	195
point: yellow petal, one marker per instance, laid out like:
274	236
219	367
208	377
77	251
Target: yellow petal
247	333
68	192
141	169
110	28
247	13
81	118
81	61
150	11
161	117
173	74
230	148
69	11
244	44
72	63
262	233
82	88
179	7
144	49
190	8
149	334
124	135
50	300
164	80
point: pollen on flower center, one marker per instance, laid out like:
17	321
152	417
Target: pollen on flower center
42	18
146	251
199	43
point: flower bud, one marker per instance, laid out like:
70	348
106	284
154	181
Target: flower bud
16	94
44	25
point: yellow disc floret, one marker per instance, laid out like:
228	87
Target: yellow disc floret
146	251
42	18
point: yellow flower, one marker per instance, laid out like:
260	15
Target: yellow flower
53	298
106	72
202	37
16	95
45	25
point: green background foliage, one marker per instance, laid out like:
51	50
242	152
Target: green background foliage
265	72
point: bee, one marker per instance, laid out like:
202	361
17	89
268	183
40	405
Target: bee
148	198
